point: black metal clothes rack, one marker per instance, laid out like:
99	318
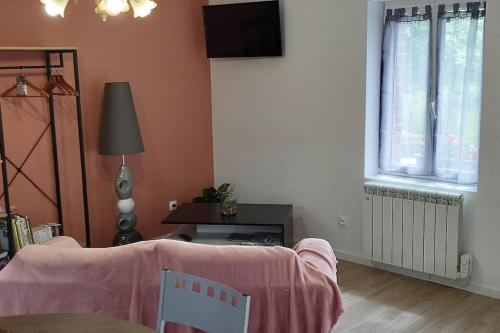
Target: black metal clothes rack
48	66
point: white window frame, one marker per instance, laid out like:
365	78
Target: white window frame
375	31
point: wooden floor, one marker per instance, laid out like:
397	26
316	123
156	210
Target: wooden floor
378	301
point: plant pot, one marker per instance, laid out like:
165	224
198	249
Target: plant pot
228	205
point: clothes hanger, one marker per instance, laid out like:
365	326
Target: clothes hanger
21	81
54	83
57	80
67	85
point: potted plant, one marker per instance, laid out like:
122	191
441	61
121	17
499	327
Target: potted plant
228	203
223	195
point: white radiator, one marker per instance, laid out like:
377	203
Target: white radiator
413	229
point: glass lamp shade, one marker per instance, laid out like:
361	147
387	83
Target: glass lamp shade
55	7
107	8
142	8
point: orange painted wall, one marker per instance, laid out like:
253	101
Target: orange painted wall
164	60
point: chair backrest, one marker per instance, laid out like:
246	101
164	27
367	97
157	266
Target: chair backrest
200	303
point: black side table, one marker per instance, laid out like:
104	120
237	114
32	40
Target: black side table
250	217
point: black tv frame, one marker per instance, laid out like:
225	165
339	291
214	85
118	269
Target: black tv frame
242	4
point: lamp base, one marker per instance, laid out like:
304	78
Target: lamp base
127	237
126	220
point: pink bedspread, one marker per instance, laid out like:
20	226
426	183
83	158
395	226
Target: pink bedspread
292	290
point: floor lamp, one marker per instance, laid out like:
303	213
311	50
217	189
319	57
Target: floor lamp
120	135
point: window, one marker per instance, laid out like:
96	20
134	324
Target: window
431	92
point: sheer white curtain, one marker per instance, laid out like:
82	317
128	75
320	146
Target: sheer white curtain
460	63
405	126
416	140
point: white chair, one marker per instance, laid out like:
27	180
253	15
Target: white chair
200	303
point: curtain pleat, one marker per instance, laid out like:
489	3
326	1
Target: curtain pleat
405	124
460	56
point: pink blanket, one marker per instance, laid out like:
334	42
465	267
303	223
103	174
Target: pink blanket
292	290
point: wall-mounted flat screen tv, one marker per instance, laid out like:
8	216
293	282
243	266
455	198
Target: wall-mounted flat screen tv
250	29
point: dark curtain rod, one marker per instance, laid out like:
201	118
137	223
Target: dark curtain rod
28	67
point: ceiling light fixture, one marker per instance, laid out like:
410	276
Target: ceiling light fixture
104	8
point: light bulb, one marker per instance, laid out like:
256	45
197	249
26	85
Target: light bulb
142	12
142	8
52	9
114	7
55	7
107	8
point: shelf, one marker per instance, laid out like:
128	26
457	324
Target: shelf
206	239
38	48
46	65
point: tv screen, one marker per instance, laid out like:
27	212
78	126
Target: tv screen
249	29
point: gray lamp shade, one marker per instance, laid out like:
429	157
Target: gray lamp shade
120	133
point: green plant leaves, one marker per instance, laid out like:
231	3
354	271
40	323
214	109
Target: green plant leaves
224	188
212	195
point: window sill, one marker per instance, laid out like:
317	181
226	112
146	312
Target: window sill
419	183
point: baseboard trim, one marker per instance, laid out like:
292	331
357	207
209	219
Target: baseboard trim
351	257
473	287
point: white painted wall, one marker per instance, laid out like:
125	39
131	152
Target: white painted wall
291	130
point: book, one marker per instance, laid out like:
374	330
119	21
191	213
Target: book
26	226
19	231
23	234
4	235
4	259
55	228
30	231
41	234
15	236
4	262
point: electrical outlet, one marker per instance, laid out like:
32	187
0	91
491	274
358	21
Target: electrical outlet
172	205
343	220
